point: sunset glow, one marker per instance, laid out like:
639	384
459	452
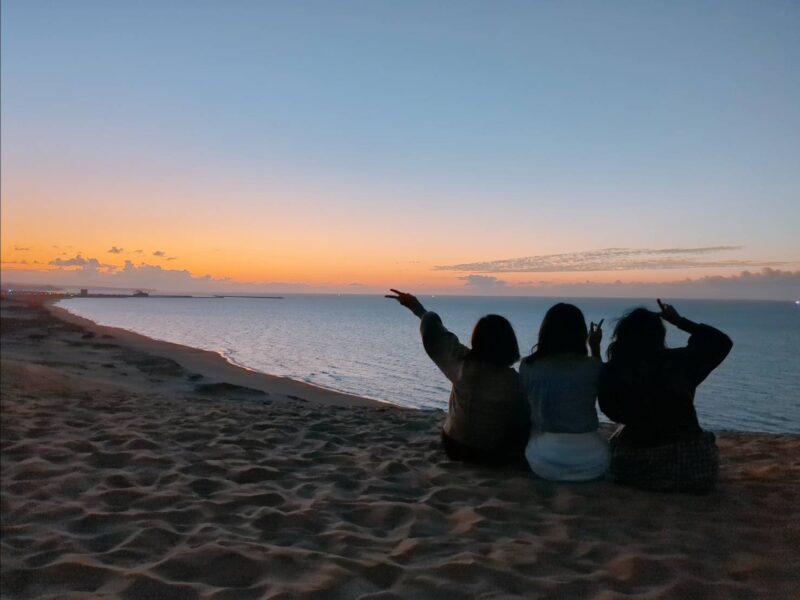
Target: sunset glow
458	136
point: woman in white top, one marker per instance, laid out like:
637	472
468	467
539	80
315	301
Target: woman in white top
559	380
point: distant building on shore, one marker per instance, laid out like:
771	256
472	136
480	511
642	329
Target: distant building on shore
140	294
84	292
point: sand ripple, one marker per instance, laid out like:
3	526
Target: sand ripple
112	494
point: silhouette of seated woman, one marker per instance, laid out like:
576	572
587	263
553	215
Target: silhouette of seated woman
650	389
559	380
487	420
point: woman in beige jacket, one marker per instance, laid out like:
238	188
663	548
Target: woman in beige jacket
487	420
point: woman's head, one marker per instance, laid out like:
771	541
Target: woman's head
640	333
494	341
563	331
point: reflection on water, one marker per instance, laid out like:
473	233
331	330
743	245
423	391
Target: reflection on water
368	345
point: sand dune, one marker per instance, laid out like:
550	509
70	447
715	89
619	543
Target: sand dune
142	486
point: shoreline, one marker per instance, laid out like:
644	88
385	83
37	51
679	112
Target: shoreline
126	476
223	368
213	365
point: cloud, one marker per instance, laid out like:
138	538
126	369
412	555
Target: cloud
130	275
21	249
766	284
610	259
79	272
159	253
115	250
76	261
153	275
483	282
766	275
86	265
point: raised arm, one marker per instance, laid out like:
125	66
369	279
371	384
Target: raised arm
707	346
410	301
594	339
441	345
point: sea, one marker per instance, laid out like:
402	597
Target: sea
370	345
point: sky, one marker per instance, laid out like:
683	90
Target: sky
527	148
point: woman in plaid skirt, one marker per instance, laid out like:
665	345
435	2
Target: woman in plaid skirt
650	389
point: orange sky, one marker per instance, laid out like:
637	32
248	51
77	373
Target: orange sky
287	233
325	236
394	139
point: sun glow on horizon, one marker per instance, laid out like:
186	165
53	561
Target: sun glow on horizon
396	140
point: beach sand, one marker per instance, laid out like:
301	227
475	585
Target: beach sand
137	469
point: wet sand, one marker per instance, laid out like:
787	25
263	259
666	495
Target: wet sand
137	469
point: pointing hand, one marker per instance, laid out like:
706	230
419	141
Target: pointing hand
668	312
408	300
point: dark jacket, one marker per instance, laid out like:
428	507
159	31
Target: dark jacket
654	396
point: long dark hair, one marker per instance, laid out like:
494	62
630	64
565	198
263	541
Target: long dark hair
494	341
563	331
640	334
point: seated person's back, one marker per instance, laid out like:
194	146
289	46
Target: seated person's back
487	420
559	381
562	390
650	389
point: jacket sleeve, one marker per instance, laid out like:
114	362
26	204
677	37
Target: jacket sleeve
607	399
707	348
524	378
441	345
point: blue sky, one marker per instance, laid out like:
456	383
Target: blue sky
517	128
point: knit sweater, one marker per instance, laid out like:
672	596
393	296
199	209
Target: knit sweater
486	409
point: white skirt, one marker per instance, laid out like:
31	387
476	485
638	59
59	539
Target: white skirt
568	456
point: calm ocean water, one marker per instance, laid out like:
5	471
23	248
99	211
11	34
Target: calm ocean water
370	346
